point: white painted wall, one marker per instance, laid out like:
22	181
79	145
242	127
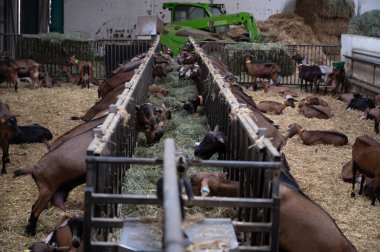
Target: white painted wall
95	18
367	48
362	6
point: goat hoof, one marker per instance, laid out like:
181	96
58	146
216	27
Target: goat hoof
31	231
352	195
373	204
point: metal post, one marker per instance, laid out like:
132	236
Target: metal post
172	212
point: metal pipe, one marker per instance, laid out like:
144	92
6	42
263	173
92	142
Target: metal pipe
173	236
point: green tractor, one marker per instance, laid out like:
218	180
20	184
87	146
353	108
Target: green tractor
204	21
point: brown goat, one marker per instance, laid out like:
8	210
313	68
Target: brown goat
301	232
373	113
313	100
71	78
297	231
209	184
284	91
310	137
158	90
336	79
8	129
66	236
86	74
267	70
366	159
60	170
276	107
317	111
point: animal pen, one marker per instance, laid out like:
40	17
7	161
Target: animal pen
250	158
255	164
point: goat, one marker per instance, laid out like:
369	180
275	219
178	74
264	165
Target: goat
297	231
276	107
317	111
268	70
191	106
373	113
308	73
32	134
60	170
312	100
66	236
8	129
71	78
335	80
148	123
311	137
161	69
361	103
366	159
86	75
209	184
284	91
158	90
213	142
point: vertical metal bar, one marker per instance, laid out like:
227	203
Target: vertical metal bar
172	225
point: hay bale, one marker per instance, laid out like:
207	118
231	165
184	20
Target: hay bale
288	28
367	24
327	18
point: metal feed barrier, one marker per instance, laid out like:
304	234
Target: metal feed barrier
255	163
52	53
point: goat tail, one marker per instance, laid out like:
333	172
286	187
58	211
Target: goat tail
22	172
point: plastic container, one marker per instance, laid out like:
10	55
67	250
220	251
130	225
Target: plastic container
338	64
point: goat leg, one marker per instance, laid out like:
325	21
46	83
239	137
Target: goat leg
376	126
374	190
362	184
354	169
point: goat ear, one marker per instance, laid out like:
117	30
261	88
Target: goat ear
137	107
216	129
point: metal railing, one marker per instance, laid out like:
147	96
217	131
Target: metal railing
52	54
232	56
364	70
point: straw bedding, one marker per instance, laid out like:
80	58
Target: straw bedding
50	108
317	168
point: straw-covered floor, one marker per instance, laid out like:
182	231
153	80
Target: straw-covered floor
50	108
317	168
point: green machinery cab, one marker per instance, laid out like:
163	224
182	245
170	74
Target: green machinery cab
199	20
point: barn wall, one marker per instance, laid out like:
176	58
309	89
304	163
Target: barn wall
102	19
365	48
362	6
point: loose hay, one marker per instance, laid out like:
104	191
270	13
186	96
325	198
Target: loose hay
317	168
51	108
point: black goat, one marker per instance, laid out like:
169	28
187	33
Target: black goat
34	133
361	103
308	73
192	104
